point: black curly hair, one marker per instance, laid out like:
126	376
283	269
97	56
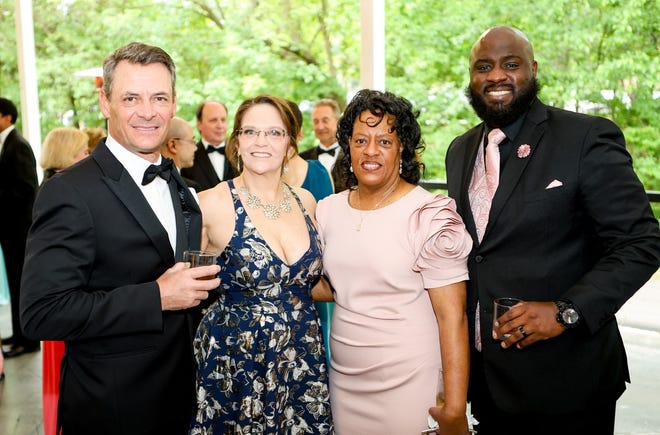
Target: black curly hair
405	124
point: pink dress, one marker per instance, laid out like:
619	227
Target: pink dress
386	367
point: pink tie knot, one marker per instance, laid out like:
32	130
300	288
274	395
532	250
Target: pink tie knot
496	136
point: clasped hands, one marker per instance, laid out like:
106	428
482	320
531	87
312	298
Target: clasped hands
527	323
184	287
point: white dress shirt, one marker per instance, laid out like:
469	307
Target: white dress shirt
3	135
327	160
217	159
157	193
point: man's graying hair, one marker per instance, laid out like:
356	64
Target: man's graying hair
136	52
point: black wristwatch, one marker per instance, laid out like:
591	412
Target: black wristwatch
567	316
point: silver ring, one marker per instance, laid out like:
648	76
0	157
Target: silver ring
522	331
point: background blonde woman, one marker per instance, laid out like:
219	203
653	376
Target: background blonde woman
62	147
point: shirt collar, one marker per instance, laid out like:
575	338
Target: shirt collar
331	147
207	144
134	164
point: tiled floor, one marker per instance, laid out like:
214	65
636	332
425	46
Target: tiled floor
20	392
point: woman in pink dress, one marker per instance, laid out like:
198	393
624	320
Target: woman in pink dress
395	257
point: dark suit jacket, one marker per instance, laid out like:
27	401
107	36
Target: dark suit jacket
203	172
94	252
339	182
18	184
592	241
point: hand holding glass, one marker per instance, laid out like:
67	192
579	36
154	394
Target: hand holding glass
501	306
200	258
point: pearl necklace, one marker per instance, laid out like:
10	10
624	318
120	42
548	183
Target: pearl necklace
271	211
382	200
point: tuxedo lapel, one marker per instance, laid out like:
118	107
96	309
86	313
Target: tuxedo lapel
128	193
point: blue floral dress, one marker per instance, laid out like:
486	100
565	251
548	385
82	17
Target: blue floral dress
261	366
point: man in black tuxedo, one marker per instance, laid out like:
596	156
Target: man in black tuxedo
325	116
18	184
569	231
211	166
103	266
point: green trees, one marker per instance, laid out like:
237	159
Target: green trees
598	56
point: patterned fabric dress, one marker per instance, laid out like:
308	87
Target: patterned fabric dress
261	365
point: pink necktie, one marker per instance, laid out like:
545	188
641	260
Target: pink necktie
481	196
495	137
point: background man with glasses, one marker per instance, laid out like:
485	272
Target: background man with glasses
180	147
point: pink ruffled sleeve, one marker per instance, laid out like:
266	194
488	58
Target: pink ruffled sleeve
440	241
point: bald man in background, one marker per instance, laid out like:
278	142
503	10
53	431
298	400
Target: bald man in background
180	147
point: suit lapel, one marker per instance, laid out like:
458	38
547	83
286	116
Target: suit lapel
205	165
188	214
531	133
122	185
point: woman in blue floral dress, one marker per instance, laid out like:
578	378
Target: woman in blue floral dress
261	365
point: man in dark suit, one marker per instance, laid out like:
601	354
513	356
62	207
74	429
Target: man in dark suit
211	166
100	269
180	146
325	116
569	231
18	184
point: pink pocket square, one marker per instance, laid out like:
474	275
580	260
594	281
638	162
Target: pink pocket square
553	184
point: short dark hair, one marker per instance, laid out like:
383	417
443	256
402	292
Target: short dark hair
297	115
405	124
136	52
7	107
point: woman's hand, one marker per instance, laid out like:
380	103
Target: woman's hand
449	424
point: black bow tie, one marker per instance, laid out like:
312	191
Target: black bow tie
164	170
211	148
331	151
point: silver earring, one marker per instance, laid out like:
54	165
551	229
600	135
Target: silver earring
400	167
350	168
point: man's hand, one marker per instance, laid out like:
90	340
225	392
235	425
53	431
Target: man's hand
182	287
528	322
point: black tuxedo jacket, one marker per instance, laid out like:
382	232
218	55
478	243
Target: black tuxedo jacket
202	171
339	182
592	240
18	184
94	252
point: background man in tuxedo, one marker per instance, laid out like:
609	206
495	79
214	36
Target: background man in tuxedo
325	116
180	146
100	269
211	166
569	231
18	184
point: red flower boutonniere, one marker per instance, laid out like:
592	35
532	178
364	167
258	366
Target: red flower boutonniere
523	151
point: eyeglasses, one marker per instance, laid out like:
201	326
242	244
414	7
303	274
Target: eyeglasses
184	140
272	135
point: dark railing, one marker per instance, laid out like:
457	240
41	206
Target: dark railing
654	195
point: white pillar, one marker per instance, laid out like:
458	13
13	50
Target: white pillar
27	72
372	57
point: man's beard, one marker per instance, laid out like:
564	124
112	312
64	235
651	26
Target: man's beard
503	116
